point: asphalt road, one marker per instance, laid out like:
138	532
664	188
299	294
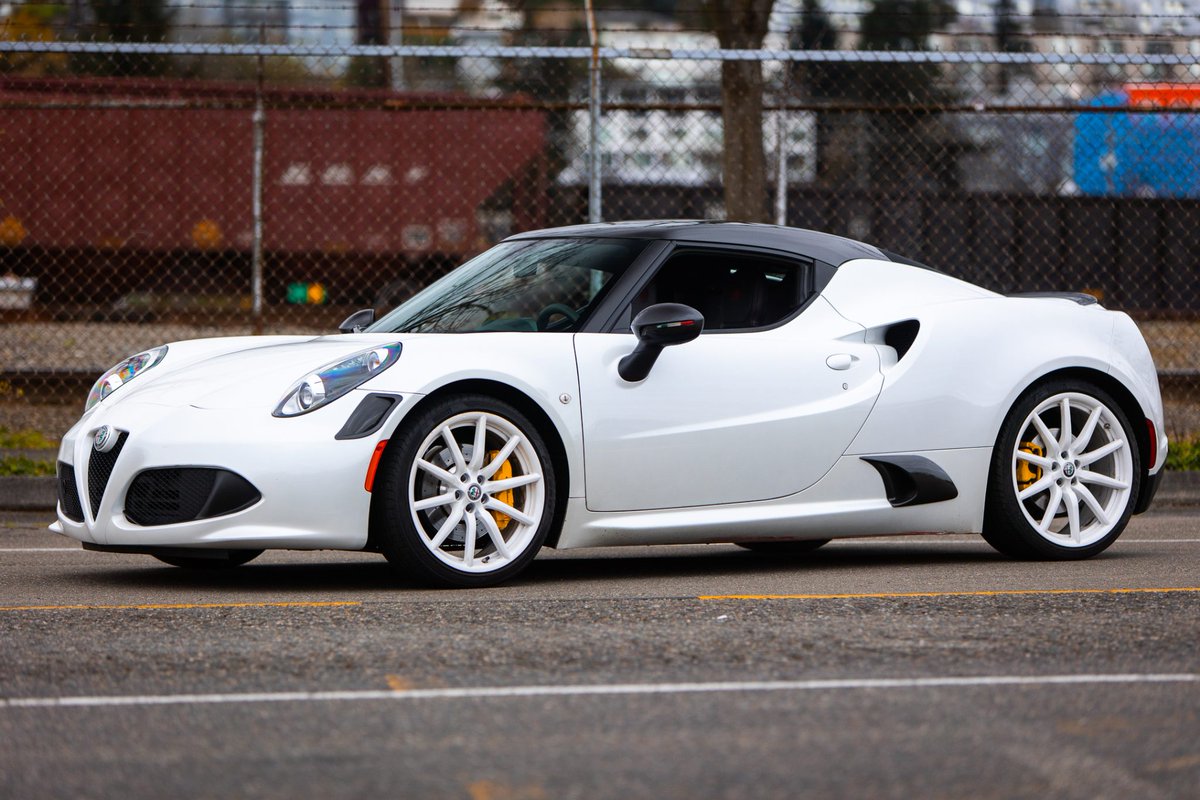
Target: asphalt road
911	667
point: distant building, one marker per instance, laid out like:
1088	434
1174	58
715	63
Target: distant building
244	21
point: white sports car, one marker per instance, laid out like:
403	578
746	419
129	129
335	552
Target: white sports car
631	383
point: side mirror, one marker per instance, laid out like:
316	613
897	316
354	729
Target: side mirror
656	327
357	321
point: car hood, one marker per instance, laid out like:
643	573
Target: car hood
240	372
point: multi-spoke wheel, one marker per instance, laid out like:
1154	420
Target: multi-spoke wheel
467	493
1064	476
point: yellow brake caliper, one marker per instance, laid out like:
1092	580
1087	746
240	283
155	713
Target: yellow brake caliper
506	497
1027	473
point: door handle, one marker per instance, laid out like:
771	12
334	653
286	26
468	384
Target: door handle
840	361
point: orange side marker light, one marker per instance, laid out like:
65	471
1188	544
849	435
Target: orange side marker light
374	465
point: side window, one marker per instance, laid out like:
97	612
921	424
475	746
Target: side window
734	291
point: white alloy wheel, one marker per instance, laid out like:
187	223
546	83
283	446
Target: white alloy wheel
476	492
1072	470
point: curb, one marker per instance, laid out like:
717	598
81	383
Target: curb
1179	489
26	493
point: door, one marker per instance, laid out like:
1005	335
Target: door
753	409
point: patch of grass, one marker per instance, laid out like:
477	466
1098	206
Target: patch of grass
22	466
25	440
1184	454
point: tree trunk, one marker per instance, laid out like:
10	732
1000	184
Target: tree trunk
742	25
743	161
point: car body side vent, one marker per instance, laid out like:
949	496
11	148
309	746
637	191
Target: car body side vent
910	480
171	495
68	492
901	335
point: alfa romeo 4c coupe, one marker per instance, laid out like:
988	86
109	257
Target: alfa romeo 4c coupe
631	383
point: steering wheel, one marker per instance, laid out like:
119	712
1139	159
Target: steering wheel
546	314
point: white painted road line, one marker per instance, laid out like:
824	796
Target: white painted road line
1157	541
862	541
487	692
909	540
41	549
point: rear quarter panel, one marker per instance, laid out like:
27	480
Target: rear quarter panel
976	353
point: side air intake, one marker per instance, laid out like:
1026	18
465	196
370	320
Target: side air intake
171	495
901	335
912	480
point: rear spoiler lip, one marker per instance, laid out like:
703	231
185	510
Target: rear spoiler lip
1075	297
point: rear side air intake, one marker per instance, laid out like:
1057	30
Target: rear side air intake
901	335
912	480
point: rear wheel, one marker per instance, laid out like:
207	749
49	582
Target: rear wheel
226	560
467	493
784	548
1065	474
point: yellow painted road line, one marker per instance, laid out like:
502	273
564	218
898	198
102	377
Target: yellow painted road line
173	606
399	684
984	593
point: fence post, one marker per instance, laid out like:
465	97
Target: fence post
594	208
781	151
258	121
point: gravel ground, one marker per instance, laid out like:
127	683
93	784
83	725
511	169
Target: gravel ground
50	421
96	346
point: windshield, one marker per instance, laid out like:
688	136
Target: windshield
533	285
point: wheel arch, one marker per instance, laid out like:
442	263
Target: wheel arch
533	411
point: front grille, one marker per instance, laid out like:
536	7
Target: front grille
68	492
182	494
100	469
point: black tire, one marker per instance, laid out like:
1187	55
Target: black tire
406	536
784	548
229	560
1006	525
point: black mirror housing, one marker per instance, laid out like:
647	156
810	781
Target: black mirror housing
656	327
666	324
357	321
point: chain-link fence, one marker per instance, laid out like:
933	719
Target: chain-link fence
154	192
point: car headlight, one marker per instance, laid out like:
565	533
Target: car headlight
333	380
123	373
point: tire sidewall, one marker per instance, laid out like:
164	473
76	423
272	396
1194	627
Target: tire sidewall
1005	524
392	520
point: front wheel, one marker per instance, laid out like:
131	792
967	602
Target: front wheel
466	493
1064	476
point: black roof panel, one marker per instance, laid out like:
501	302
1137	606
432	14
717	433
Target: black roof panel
826	247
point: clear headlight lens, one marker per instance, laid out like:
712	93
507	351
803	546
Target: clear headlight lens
123	373
333	380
